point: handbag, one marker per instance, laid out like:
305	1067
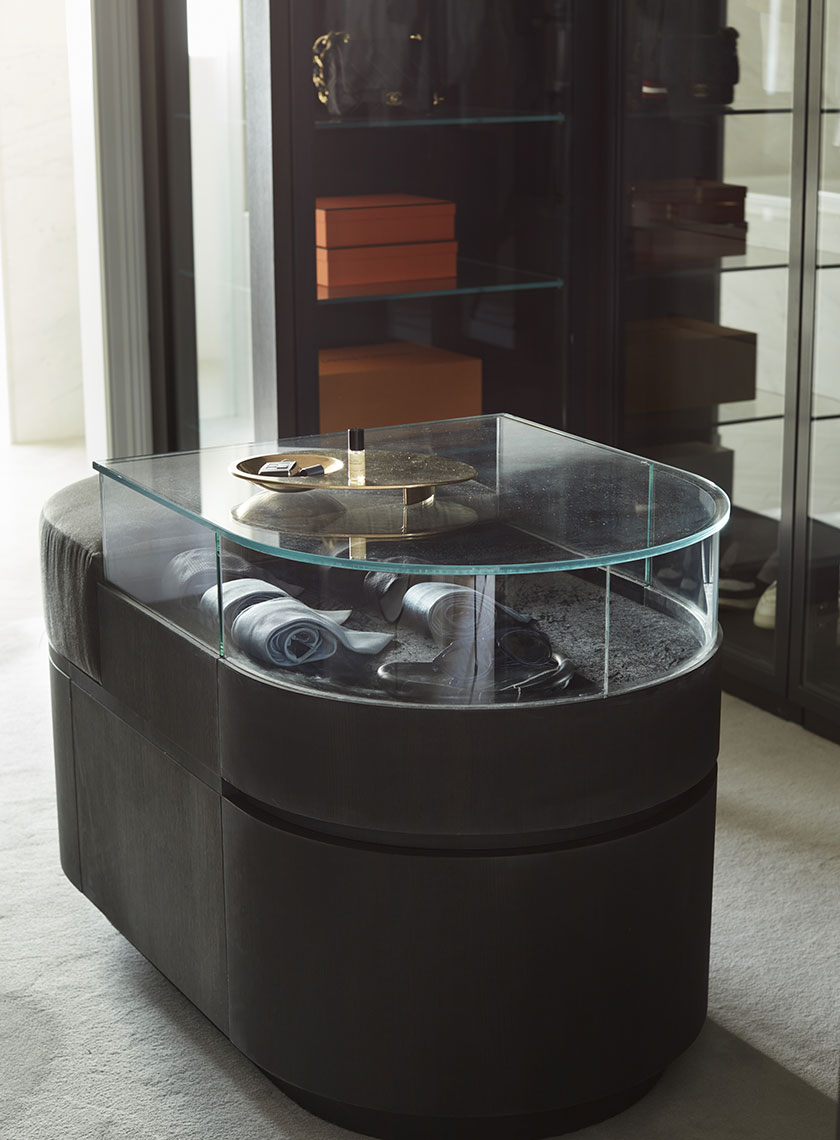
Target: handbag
701	69
678	61
357	75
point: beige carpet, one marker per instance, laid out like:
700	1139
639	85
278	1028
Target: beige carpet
96	1045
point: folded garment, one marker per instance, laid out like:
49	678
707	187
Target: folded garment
387	591
239	593
446	611
285	632
191	573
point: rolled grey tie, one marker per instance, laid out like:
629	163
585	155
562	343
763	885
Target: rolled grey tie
446	611
285	632
189	575
387	591
240	593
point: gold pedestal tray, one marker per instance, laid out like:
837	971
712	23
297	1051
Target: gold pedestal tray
372	518
416	474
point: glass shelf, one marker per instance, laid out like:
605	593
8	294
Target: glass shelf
771	406
704	112
765	406
473	277
471	117
756	257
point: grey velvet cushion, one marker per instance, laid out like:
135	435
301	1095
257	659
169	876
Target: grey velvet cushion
71	569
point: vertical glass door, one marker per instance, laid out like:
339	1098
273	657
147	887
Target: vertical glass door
821	669
707	182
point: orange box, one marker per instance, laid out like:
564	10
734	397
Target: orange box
395	383
677	363
370	264
382	219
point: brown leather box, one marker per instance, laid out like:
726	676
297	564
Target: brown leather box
698	198
676	363
382	219
370	264
395	383
686	221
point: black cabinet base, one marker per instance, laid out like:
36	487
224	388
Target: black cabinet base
527	1126
402	932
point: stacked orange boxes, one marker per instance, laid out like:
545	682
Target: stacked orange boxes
367	239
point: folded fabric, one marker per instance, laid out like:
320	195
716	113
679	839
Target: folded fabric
191	573
387	591
446	611
238	594
285	632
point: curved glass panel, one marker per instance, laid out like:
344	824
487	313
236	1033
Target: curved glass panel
478	561
507	496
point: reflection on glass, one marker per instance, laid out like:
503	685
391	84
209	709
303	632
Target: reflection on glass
708	169
220	221
766	43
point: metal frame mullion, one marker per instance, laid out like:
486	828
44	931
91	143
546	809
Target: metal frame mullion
801	329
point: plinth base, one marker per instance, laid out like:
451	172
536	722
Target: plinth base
526	1126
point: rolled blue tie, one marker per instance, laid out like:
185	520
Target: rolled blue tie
240	593
286	633
191	573
446	610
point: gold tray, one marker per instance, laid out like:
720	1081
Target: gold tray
416	474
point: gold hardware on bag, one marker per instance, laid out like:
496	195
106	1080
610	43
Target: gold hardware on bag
701	91
393	98
322	45
415	36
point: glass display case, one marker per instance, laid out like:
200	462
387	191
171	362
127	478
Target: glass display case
487	560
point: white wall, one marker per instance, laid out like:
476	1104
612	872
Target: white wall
41	350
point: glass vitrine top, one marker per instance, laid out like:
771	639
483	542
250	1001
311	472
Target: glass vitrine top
486	495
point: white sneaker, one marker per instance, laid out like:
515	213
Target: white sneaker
765	612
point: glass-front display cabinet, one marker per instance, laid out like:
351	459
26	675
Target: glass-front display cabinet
422	237
487	560
707	183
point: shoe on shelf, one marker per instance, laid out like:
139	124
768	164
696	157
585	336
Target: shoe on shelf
739	593
765	611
